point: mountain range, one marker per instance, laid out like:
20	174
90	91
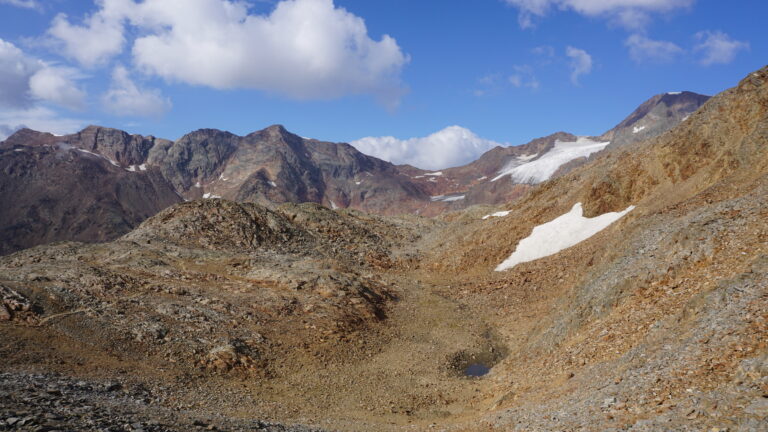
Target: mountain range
100	183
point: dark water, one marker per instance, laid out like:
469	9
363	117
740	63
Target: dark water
476	370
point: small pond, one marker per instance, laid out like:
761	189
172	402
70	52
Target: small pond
474	370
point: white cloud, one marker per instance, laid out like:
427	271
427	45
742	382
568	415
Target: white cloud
581	63
642	49
27	4
38	118
305	49
523	76
717	47
15	70
632	14
450	147
125	98
56	84
25	81
545	51
99	38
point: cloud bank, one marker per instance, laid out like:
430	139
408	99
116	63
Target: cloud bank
304	49
450	147
632	14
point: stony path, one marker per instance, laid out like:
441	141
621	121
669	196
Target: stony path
47	403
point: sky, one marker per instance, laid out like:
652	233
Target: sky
433	83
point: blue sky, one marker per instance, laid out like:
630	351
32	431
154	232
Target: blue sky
504	71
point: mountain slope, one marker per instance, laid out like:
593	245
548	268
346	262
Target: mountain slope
505	173
57	192
653	323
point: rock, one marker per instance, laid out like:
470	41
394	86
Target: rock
759	406
5	315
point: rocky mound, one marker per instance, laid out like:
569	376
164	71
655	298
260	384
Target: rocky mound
219	224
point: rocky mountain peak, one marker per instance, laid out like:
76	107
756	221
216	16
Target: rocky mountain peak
655	116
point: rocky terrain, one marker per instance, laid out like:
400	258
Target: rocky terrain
222	315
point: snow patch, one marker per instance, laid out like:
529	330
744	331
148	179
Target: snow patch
483	178
273	184
674	93
434	174
637	129
18	150
497	214
447	198
131	168
209	195
686	117
545	166
143	167
526	158
561	233
98	155
198	185
222	178
334	206
358	183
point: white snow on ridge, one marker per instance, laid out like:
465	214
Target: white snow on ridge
133	168
435	174
497	214
674	93
98	155
526	158
637	129
544	167
559	234
448	198
273	184
209	195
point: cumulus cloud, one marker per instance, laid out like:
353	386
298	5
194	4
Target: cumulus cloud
97	40
581	63
716	47
56	84
643	49
305	49
38	118
15	70
125	98
450	147
632	14
25	80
